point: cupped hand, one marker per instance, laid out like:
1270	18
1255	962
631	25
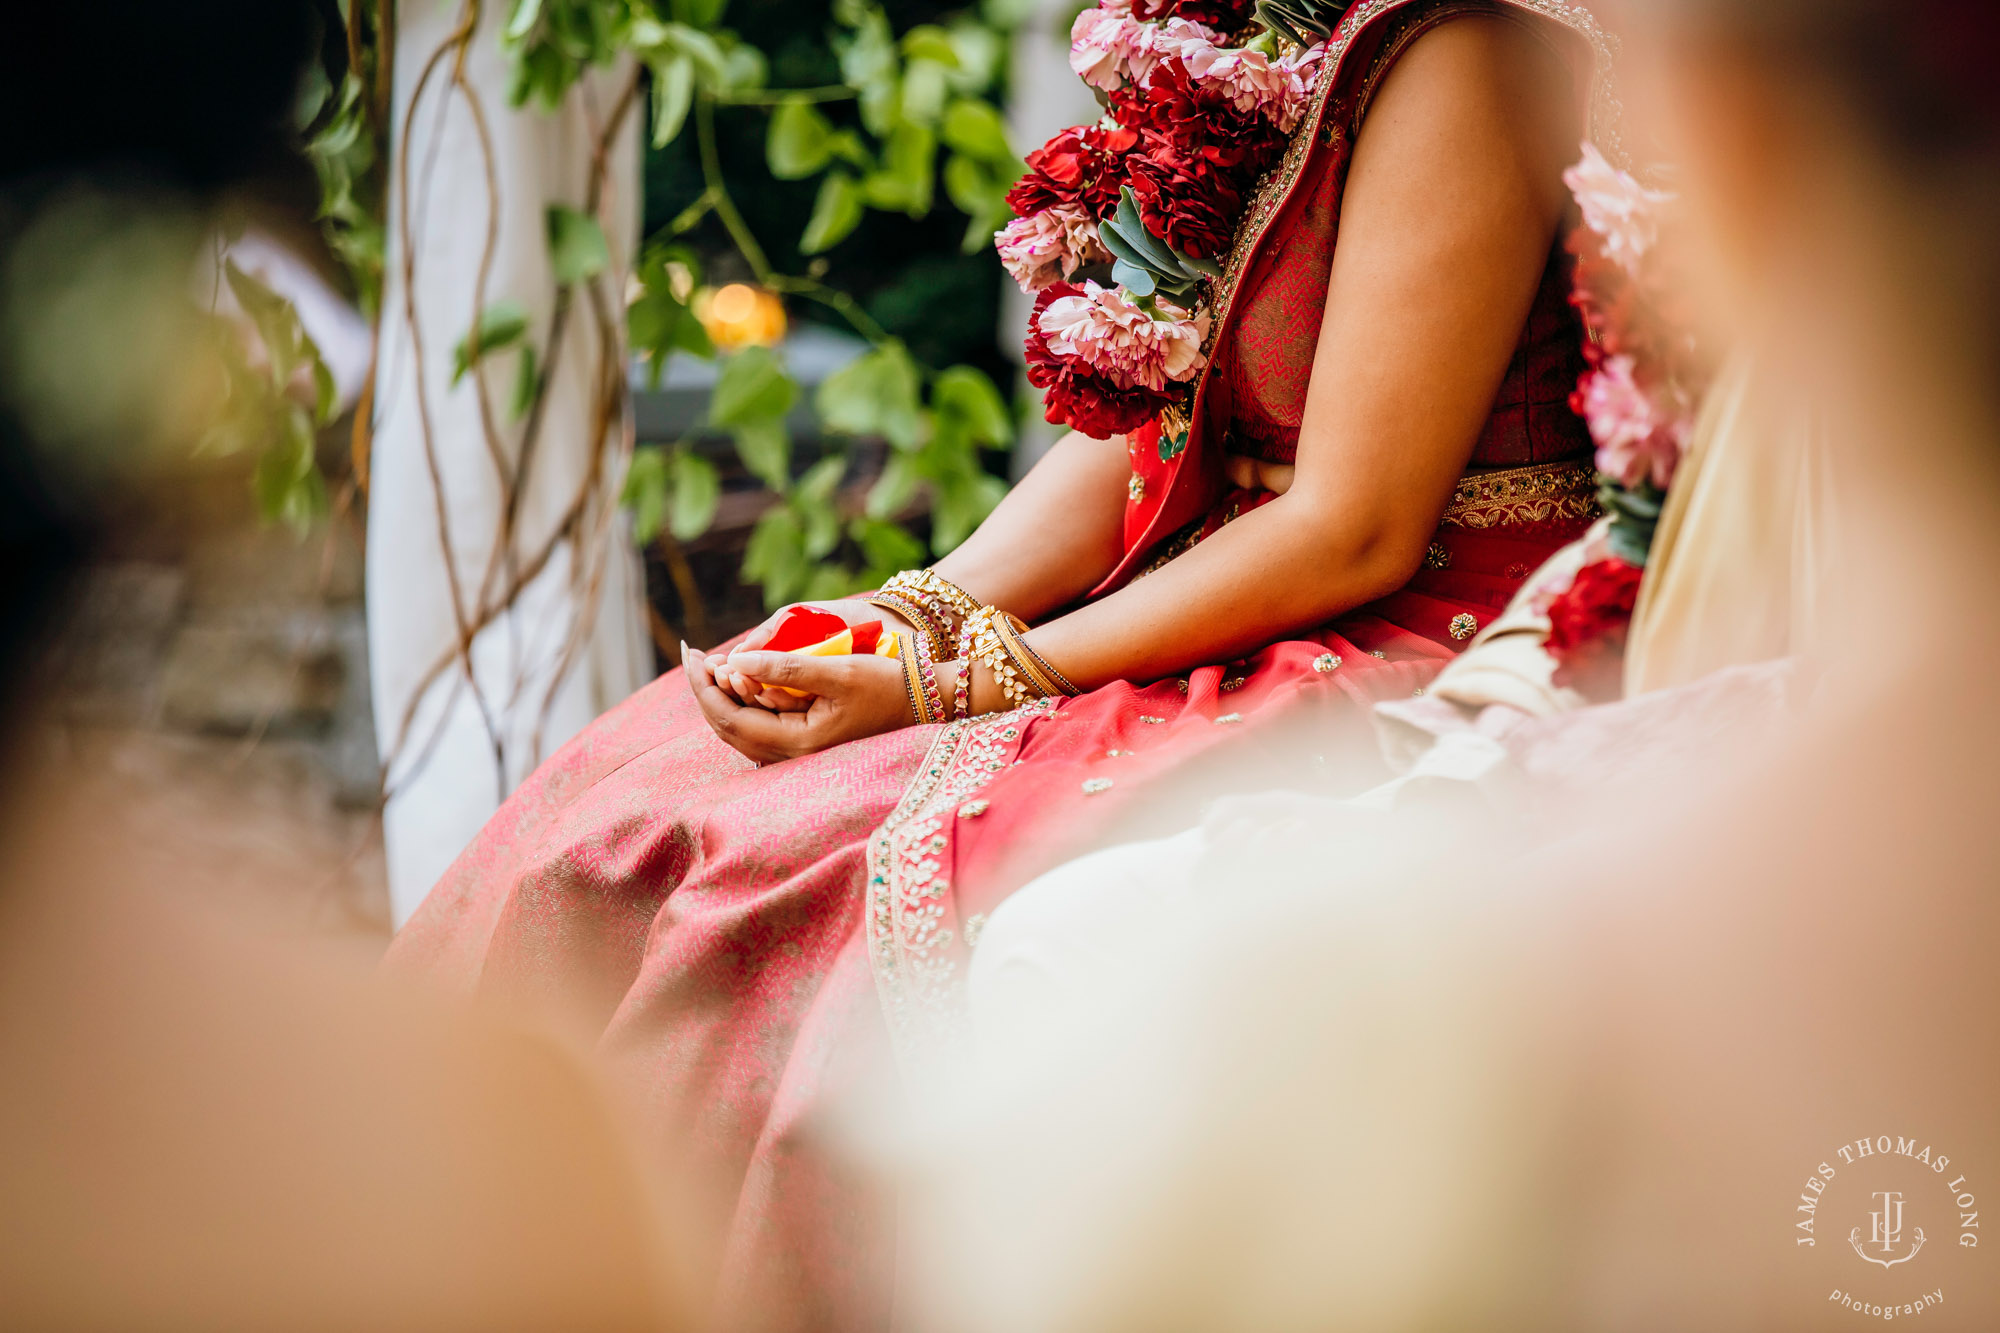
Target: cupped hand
852	698
743	686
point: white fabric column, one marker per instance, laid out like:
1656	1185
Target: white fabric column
572	643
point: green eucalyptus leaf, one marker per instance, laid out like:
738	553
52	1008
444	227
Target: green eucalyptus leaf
673	94
577	248
1137	281
836	213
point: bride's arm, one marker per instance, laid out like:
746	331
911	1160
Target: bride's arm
1450	209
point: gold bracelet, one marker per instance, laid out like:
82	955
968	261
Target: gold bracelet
1049	680
912	690
925	621
931	589
980	640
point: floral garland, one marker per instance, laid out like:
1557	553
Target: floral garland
1121	223
1639	398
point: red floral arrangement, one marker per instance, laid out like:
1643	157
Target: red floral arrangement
1639	397
1121	223
1588	623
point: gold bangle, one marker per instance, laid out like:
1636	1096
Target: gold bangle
912	688
1049	680
922	618
980	640
934	590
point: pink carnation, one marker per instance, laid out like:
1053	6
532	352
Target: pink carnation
1049	246
1108	48
1301	73
1615	206
1635	441
1121	340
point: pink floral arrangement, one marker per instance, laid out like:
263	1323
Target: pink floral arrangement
1639	397
1200	105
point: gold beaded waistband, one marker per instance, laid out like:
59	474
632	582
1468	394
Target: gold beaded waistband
1523	495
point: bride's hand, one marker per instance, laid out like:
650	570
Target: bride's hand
851	697
738	684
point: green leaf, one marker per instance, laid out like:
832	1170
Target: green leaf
927	41
800	141
673	94
696	490
776	557
744	68
659	322
325	392
968	396
876	394
894	489
527	385
926	88
909	166
822	479
836	213
645	492
577	248
974	127
753	386
701	48
522	21
766	449
888	548
963	502
698	13
500	326
829	583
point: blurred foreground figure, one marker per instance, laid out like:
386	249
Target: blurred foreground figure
1726	1055
200	1127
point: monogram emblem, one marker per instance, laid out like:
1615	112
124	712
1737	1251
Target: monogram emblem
1885	1233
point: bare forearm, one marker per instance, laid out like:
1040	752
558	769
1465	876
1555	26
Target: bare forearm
1277	570
1056	535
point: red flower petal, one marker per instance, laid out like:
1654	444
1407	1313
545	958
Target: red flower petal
804	626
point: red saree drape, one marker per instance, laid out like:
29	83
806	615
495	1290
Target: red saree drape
733	936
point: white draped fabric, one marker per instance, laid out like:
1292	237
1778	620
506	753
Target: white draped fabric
571	642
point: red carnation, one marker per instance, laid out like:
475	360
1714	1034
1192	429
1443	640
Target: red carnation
1222	15
1078	397
1081	167
1195	114
1189	199
1588	623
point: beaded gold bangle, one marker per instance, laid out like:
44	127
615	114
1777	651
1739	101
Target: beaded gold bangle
913	692
1032	664
937	631
961	691
929	588
979	640
927	680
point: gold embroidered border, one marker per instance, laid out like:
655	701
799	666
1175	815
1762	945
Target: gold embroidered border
1536	494
910	918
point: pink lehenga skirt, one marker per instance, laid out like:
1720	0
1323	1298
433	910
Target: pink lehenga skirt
747	944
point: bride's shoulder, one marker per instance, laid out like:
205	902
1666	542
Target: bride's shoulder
1475	58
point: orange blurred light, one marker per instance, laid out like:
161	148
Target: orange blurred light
740	315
